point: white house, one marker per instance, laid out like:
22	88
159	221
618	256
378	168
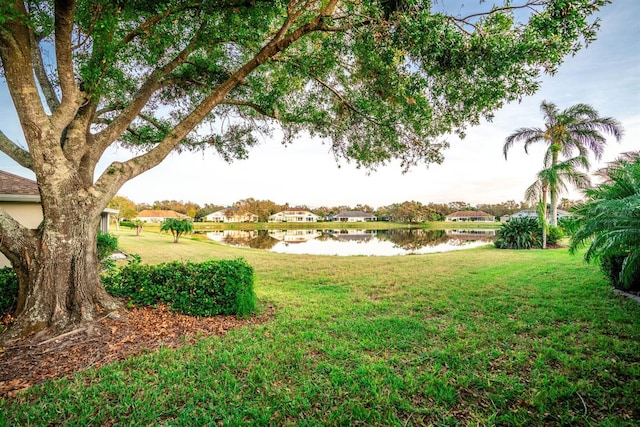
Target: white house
294	215
228	215
354	216
158	215
470	216
533	213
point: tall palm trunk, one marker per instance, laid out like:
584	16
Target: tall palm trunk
543	215
553	189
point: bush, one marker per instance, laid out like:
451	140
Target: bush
127	224
107	244
569	225
199	289
611	266
8	290
554	234
519	233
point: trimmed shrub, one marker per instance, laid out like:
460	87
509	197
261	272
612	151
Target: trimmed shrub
519	233
107	244
8	290
199	289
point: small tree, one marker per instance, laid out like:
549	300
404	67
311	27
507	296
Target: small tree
177	227
138	223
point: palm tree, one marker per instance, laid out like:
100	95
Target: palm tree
610	222
577	128
177	227
555	176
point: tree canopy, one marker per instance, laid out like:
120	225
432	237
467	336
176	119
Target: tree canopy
378	83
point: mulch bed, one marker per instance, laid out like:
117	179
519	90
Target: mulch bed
34	359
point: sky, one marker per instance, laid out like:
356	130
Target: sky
605	75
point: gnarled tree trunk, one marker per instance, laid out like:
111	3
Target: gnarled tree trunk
58	272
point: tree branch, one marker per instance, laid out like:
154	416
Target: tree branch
120	172
106	137
346	103
64	12
11	149
528	5
38	67
142	28
15	53
15	239
252	105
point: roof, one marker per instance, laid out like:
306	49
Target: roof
467	214
14	185
355	214
158	213
296	210
220	212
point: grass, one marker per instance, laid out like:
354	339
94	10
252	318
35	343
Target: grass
474	337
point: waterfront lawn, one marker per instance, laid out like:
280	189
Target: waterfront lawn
480	337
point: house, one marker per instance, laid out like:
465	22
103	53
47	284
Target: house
470	216
294	215
158	215
527	213
229	215
533	213
354	216
20	198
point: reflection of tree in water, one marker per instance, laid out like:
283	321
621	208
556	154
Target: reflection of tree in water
325	235
412	240
258	239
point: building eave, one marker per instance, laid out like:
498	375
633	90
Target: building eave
21	198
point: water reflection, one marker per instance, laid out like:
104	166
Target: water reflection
355	241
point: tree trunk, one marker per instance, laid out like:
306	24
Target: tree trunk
543	213
59	279
553	190
554	209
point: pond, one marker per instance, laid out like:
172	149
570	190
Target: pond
355	241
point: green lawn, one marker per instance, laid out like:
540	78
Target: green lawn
474	337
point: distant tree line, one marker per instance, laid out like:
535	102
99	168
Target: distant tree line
408	211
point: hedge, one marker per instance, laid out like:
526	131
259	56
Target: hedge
199	289
8	290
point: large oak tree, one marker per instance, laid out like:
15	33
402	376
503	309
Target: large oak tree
379	80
